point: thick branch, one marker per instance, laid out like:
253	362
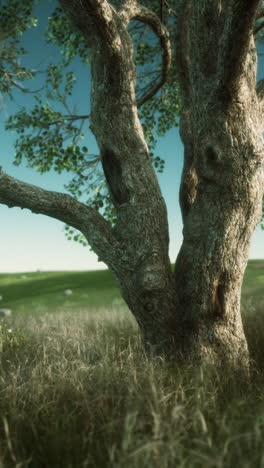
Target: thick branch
94	17
133	11
239	20
182	48
96	229
100	18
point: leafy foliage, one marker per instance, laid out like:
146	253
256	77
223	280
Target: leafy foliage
50	135
71	42
15	18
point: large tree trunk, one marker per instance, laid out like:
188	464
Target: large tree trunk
221	193
195	311
222	181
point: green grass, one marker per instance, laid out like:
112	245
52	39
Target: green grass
254	279
77	390
92	288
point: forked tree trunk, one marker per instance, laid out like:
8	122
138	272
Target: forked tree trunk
194	311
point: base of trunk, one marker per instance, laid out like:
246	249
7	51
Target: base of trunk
215	346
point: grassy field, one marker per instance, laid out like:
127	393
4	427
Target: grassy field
77	390
25	292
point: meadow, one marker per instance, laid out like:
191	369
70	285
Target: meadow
78	390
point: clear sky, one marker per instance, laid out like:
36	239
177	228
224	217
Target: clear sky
30	242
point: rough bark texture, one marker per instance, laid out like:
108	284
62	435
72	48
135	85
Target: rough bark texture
222	181
194	311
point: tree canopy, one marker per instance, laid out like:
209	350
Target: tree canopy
50	133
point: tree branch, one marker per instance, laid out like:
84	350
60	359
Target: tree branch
239	20
183	47
63	207
11	77
100	18
94	17
133	11
161	13
259	27
130	177
170	9
63	118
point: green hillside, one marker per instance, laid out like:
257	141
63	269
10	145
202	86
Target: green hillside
38	290
33	291
254	279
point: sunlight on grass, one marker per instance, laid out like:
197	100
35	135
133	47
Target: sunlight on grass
79	391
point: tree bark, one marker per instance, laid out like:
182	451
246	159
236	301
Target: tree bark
197	311
222	181
194	311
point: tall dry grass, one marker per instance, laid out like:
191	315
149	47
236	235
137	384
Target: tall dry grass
79	391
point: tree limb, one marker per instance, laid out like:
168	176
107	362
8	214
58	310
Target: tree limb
126	162
183	47
63	118
161	13
239	19
100	18
134	11
63	207
259	27
170	9
94	17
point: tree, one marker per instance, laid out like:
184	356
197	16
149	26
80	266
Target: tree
195	310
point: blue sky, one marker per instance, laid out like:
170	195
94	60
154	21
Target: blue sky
30	242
